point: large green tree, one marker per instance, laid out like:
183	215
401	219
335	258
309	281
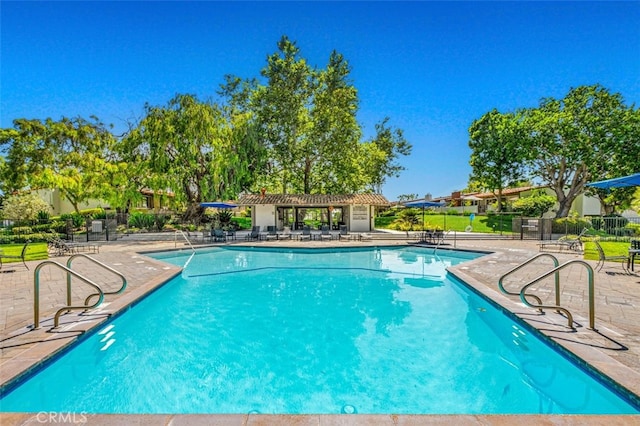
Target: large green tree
307	118
497	152
283	117
587	135
190	148
72	155
380	155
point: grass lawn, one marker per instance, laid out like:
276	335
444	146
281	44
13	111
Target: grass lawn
484	224
610	248
35	251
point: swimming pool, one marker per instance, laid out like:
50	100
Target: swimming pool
369	330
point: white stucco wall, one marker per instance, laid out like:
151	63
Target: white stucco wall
263	215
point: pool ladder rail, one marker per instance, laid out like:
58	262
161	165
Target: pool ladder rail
100	294
557	267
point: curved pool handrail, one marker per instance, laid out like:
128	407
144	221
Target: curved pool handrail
69	307
97	262
522	265
558	307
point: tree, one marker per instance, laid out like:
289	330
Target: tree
407	197
24	206
498	152
307	118
585	136
625	159
535	205
190	148
283	117
71	155
381	153
330	161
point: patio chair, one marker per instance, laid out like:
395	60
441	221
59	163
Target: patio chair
285	234
254	234
272	233
602	258
325	234
59	247
634	250
21	256
306	233
218	235
343	233
565	243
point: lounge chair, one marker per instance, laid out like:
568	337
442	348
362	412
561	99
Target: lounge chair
271	234
254	234
59	247
285	234
325	234
218	235
21	256
306	233
343	233
565	243
602	258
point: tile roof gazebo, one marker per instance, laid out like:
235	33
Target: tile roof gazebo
356	211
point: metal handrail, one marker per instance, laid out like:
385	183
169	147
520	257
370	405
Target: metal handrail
175	241
107	267
558	307
520	266
36	293
440	241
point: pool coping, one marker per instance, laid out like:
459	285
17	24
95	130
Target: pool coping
53	347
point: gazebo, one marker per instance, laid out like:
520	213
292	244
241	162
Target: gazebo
355	211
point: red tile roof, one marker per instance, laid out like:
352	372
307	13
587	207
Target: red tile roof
313	199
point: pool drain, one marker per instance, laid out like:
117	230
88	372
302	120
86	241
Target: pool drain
348	409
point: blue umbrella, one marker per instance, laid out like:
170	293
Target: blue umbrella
631	180
423	204
218	205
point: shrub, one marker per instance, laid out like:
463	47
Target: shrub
569	225
141	220
43	216
76	218
21	230
161	220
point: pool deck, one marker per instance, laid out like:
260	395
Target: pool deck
613	347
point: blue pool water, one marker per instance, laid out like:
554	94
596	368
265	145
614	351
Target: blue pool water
382	330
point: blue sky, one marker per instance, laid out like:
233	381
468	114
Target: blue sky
431	67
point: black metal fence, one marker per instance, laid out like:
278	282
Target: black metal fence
606	228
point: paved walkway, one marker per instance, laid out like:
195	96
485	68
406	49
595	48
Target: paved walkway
614	348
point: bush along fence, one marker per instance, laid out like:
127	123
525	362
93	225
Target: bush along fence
614	228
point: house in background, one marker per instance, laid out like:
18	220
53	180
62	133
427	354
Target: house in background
355	211
152	201
482	202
